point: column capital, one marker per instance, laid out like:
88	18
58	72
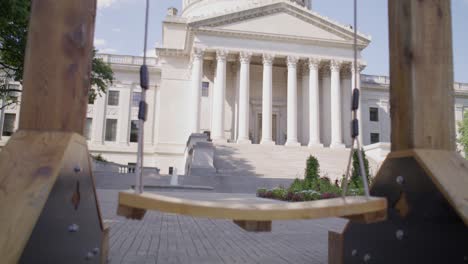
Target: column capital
361	66
292	61
268	59
335	65
221	55
197	53
245	56
314	63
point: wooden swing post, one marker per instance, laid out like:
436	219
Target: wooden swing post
46	186
424	180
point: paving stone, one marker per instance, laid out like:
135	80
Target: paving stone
168	238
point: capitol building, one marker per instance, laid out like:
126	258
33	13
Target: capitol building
266	72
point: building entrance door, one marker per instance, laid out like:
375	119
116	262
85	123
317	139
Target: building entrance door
274	127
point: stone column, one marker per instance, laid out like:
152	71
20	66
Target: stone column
217	121
357	76
292	102
99	119
124	114
244	98
314	104
267	100
336	133
195	87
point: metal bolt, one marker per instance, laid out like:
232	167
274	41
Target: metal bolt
95	250
73	228
89	256
400	234
400	180
367	257
354	252
77	169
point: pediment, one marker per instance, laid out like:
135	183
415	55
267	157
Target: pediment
280	20
281	24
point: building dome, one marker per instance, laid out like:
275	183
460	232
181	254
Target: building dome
195	8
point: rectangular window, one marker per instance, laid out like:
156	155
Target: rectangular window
89	124
111	129
205	89
113	98
8	124
374	114
134	131
136	98
374	138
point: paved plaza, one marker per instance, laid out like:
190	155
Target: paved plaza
167	238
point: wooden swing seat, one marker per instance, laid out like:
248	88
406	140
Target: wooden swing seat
248	208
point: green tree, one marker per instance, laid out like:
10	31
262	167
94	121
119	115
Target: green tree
463	131
312	170
356	178
14	19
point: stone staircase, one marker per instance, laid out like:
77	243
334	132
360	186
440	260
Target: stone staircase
277	162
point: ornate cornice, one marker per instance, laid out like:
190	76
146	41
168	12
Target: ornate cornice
171	52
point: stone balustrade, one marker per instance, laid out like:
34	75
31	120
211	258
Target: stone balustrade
125	59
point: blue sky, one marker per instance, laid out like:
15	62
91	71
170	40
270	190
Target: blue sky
119	28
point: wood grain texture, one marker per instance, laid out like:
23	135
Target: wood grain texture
105	246
421	75
58	65
253	210
449	172
30	164
335	248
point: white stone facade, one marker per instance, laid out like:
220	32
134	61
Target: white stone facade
261	72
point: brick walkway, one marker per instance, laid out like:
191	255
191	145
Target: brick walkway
166	238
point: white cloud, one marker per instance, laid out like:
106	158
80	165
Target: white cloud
108	3
99	42
105	3
107	50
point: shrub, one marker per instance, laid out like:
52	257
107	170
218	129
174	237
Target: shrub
99	157
262	192
312	170
296	186
356	178
279	194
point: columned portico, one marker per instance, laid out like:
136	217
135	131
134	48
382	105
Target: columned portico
217	121
197	67
267	98
292	102
314	104
336	120
244	98
322	114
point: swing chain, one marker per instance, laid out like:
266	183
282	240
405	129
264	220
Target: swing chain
142	109
355	120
